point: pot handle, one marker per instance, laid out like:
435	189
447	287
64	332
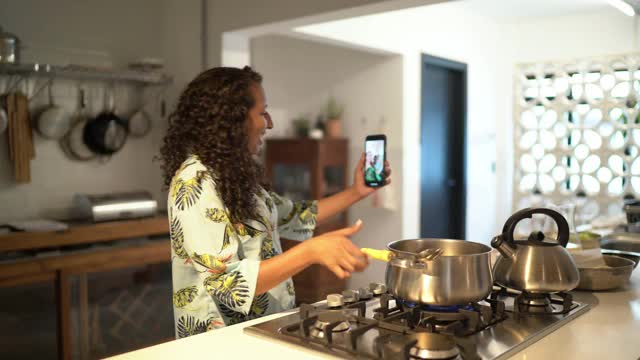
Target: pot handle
561	222
382	255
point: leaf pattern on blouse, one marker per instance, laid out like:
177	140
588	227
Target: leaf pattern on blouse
269	203
217	215
258	308
221	217
276	198
305	210
183	297
267	250
185	193
247	230
290	288
214	264
177	238
189	325
231	289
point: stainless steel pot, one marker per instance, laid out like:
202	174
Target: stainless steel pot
460	275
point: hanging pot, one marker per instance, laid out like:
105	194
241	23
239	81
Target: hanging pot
73	143
54	122
107	133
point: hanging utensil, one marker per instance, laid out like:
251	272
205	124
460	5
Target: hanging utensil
73	143
20	136
106	133
4	120
139	123
54	122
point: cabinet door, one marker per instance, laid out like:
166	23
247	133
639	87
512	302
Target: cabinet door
292	181
121	310
28	323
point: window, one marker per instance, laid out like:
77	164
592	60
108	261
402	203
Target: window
577	133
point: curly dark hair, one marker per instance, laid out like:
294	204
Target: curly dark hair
210	121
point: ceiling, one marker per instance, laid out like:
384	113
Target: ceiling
512	10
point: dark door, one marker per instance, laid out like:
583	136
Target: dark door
442	163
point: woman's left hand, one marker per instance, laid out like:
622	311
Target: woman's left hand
359	187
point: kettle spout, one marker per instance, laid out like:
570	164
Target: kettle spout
503	247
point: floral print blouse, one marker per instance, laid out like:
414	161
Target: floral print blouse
215	263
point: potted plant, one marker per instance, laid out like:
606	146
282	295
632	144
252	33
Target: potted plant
302	125
334	114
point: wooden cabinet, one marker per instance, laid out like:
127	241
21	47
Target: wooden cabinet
92	291
306	169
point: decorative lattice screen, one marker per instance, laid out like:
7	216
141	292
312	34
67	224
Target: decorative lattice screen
577	133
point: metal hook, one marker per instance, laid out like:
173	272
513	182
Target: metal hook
13	86
48	83
158	94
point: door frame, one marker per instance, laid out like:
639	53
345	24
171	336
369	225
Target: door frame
427	59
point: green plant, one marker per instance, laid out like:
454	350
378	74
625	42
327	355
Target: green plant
333	109
302	124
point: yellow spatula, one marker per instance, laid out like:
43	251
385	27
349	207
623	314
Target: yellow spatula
382	255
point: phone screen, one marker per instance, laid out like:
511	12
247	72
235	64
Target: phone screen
374	149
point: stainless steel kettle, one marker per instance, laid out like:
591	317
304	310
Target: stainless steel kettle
533	265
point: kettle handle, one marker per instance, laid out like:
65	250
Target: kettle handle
561	222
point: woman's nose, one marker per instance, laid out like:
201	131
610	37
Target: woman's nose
269	121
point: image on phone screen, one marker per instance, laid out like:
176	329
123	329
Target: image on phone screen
374	160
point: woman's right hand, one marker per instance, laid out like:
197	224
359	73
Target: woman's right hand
336	252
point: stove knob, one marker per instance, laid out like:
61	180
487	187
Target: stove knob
350	296
365	294
378	288
334	300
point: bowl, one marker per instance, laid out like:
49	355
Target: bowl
617	274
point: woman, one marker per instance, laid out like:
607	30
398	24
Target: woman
371	175
228	265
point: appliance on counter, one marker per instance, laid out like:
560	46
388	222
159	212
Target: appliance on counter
114	206
369	323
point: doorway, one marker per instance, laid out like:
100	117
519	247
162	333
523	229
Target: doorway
442	148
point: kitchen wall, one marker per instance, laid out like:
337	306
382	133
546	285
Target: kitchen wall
227	15
450	31
300	75
102	34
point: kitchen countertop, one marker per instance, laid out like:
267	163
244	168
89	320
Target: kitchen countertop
609	330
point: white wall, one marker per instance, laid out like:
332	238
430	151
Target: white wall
446	30
300	75
96	33
228	15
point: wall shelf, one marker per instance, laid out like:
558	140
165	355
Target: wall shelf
80	72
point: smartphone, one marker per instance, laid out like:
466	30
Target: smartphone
375	150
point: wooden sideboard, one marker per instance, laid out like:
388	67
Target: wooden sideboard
89	271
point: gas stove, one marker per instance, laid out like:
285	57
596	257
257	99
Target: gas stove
369	323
